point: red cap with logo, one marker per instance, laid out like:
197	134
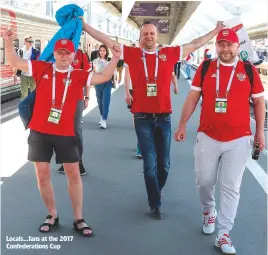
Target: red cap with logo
64	44
228	35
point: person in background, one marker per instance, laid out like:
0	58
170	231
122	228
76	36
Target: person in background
81	61
94	53
177	69
120	67
207	54
188	62
28	52
103	91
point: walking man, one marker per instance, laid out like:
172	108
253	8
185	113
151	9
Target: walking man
223	141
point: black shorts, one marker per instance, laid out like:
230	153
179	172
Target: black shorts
129	106
42	146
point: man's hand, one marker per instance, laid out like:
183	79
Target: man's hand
9	35
219	26
176	90
117	47
260	138
128	98
180	134
86	103
116	51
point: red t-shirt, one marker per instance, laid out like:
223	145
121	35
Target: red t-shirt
42	72
235	123
168	57
81	62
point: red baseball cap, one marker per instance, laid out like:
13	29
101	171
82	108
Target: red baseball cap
228	35
64	44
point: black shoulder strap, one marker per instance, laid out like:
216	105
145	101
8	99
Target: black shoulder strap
21	53
204	70
249	71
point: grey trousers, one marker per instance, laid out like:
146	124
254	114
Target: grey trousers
225	161
78	126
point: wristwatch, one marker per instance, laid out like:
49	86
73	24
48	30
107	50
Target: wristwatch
87	98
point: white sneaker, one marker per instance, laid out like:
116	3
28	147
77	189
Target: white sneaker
224	242
103	124
209	222
100	121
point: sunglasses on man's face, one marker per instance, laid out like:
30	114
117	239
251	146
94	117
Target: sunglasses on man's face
29	41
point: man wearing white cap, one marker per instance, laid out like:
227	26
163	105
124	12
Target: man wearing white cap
223	140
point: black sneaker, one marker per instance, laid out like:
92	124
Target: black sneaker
156	214
61	170
82	169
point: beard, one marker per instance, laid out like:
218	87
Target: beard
227	57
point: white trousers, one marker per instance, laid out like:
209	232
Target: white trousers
225	161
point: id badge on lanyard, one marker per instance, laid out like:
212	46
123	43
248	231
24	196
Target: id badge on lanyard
55	114
151	87
221	103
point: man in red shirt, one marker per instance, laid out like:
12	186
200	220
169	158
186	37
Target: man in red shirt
58	88
80	61
150	71
223	140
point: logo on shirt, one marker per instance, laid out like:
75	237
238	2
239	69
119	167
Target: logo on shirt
213	75
63	42
241	76
163	57
45	76
225	32
75	61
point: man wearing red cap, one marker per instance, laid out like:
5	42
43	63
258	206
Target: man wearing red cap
223	140
58	88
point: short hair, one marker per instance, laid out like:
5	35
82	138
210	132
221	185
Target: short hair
27	37
148	22
107	51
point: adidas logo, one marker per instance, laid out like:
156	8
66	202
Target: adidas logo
45	76
213	75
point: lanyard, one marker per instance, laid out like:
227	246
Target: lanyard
230	80
67	83
145	65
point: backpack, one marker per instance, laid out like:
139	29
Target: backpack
247	66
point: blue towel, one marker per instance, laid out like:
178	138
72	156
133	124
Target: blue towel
71	28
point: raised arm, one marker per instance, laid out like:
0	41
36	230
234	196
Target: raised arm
101	37
11	55
108	71
201	41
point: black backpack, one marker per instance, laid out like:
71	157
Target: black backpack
120	63
247	66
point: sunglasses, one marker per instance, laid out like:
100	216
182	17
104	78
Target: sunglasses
29	41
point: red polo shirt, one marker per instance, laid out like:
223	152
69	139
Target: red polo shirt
236	122
168	57
42	72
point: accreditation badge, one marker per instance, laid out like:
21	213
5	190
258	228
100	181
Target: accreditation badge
221	105
151	90
54	116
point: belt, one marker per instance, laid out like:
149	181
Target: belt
153	114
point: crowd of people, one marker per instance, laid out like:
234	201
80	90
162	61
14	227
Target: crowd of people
223	139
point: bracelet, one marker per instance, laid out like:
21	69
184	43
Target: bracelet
87	98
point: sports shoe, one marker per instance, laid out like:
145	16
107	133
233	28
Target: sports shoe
138	153
209	220
61	170
82	122
103	124
100	121
224	242
156	214
81	168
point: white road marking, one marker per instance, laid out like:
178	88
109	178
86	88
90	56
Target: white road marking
9	114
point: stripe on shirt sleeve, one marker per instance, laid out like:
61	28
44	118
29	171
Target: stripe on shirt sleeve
257	95
196	88
181	53
89	78
30	68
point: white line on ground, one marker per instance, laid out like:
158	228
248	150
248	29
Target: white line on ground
9	114
256	170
